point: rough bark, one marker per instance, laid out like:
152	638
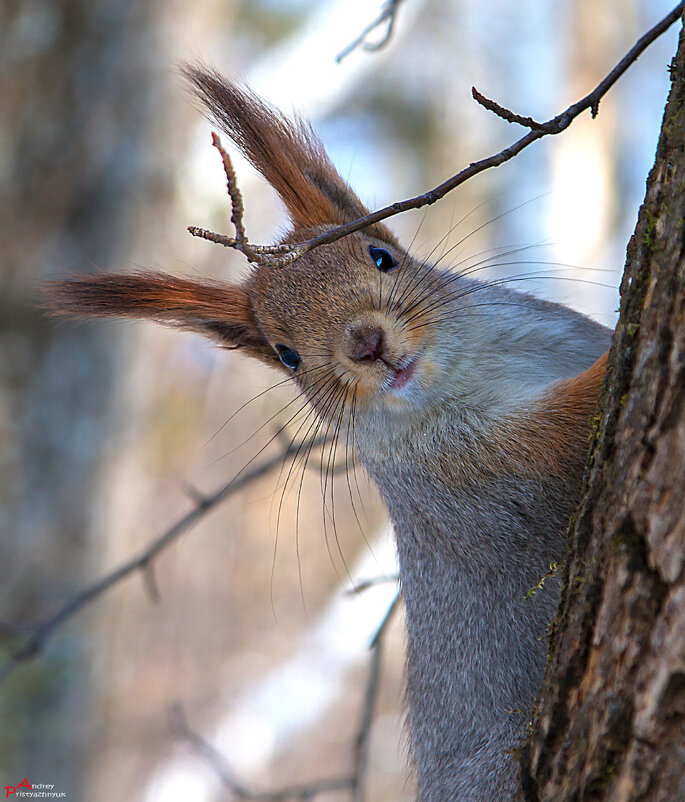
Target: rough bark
610	723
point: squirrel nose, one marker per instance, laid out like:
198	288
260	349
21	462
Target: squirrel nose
366	344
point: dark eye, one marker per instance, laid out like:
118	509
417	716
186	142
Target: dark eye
288	356
382	259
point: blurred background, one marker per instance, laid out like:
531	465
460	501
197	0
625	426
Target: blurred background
109	430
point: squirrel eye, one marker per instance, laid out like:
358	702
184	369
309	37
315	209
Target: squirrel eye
384	261
288	356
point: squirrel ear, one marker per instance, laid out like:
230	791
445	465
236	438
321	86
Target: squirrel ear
222	312
286	152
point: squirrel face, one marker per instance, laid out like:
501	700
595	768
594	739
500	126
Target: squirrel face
359	324
351	322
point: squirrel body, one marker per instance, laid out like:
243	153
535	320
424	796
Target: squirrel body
469	404
480	494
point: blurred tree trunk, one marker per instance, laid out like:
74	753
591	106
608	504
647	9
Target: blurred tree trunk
610	723
74	88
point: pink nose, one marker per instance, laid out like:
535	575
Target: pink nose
366	344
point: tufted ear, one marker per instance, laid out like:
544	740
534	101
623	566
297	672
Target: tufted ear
222	312
286	152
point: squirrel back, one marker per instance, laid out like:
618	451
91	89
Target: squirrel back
469	404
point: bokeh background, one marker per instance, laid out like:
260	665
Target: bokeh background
104	427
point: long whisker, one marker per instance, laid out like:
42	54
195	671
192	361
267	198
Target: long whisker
450	315
474	231
418	276
437	319
242	407
405	258
441	279
329	477
494	219
421	263
532	276
297	519
322	405
307	442
331	416
349	432
265	423
325	386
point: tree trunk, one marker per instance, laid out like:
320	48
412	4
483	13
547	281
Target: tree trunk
76	79
610	723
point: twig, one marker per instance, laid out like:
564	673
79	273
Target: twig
228	779
260	254
234	193
361	745
150	582
505	114
36	635
388	14
366	584
281	255
354	782
385	623
196	496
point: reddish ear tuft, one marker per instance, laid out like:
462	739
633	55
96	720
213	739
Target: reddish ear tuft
221	311
158	296
286	152
281	150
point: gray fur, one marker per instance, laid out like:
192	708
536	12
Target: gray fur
470	548
477	520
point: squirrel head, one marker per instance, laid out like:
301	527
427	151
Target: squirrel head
350	322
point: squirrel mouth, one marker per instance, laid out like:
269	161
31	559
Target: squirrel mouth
402	375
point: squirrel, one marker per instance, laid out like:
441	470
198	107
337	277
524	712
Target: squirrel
469	404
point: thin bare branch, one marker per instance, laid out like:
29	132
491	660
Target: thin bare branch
196	496
230	782
36	635
234	193
259	254
354	782
284	255
388	16
504	113
150	582
361	744
385	623
367	584
211	236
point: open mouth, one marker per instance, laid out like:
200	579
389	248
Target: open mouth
403	375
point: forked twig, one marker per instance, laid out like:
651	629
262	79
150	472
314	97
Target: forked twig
267	255
234	786
352	782
388	14
282	255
